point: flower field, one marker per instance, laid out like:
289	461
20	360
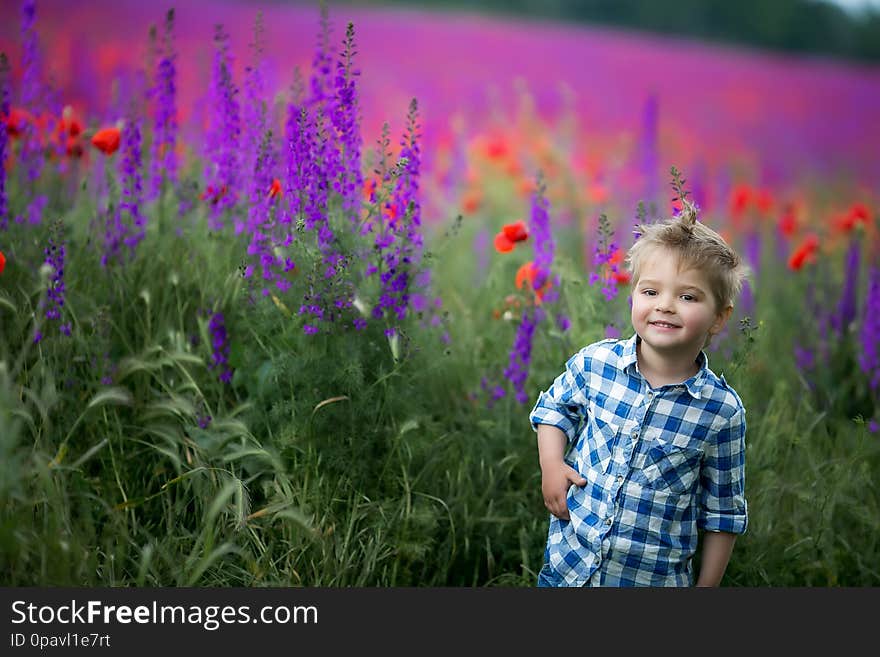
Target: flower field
280	284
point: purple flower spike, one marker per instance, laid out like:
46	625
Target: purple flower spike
220	346
4	139
163	162
869	337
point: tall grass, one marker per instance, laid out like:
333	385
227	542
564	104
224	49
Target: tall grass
327	463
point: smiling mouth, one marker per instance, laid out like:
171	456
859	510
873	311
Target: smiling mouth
664	324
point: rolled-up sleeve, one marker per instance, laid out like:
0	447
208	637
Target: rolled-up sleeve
723	506
563	404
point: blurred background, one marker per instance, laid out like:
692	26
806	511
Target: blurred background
764	93
847	29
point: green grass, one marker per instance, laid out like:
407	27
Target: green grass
328	462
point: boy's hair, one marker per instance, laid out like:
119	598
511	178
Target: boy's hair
698	247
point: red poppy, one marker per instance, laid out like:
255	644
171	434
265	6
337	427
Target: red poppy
516	232
503	243
740	199
16	121
497	148
2	262
511	234
106	140
275	188
859	212
805	253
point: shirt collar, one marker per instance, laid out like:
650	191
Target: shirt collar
694	385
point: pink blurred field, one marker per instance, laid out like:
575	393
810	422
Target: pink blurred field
767	118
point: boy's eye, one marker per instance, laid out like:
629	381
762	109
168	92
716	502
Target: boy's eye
649	293
688	297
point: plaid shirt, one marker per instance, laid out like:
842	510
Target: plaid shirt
660	465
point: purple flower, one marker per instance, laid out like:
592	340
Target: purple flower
846	308
804	358
220	346
130	167
32	97
322	65
163	163
298	139
222	136
563	322
399	239
126	224
254	117
517	370
346	121
869	336
55	252
261	224
544	245
606	261
4	139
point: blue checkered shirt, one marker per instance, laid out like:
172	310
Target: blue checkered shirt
660	465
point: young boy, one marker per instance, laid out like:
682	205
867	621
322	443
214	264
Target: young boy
641	445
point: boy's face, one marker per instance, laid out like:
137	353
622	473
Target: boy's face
673	311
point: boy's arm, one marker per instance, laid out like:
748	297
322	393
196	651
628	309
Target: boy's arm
722	502
556	418
556	474
717	547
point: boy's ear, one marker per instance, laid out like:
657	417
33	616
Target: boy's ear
721	319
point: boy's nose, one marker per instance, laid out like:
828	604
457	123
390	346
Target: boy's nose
663	305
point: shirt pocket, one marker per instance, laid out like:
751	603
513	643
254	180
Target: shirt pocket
600	443
671	468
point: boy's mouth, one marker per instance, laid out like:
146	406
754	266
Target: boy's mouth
664	325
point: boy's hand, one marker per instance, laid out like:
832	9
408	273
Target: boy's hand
555	481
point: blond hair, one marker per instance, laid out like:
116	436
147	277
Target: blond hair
697	247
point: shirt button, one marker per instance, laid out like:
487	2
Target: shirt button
608	521
635	432
619	479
